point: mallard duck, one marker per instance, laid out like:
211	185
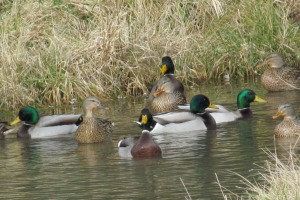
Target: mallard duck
290	125
186	120
91	129
279	77
222	114
244	98
35	126
168	92
146	120
142	146
2	129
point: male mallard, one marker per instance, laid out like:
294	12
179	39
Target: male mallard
35	126
244	98
142	146
290	125
168	92
187	120
146	120
279	77
91	129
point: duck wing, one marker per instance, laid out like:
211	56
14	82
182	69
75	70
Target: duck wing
222	109
57	120
290	75
175	117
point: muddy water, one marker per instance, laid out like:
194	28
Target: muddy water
62	169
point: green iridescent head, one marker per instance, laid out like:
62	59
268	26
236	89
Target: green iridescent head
245	97
199	103
27	114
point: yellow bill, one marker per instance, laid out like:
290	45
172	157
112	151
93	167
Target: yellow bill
163	69
258	99
17	120
144	119
213	106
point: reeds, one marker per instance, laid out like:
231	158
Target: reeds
278	179
53	51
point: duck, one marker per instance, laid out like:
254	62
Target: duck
3	129
146	120
290	125
181	120
244	98
222	114
142	146
168	92
91	129
279	77
36	126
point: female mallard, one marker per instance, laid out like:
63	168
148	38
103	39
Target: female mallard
244	98
142	146
279	77
35	126
186	120
290	125
2	129
91	129
168	92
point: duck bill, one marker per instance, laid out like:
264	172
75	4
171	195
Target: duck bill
277	115
163	69
213	106
144	119
258	99
261	65
17	120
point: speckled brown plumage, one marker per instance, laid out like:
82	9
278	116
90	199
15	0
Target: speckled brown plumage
2	129
290	125
91	129
168	92
279	77
166	102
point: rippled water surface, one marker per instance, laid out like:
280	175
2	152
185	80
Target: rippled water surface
62	169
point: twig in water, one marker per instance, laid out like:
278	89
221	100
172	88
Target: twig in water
189	197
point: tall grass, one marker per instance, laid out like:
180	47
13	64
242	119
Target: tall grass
53	51
279	179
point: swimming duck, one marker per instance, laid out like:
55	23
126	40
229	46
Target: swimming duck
244	98
35	126
142	146
279	77
146	120
222	114
187	120
290	125
91	129
168	92
2	129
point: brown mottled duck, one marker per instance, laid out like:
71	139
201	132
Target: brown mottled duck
279	77
168	92
91	129
290	125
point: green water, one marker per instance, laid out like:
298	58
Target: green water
62	169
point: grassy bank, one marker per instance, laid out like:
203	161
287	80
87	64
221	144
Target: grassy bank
279	179
52	51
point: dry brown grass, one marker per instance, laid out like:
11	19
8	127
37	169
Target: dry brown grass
278	179
52	51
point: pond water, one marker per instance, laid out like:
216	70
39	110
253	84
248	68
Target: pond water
61	169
